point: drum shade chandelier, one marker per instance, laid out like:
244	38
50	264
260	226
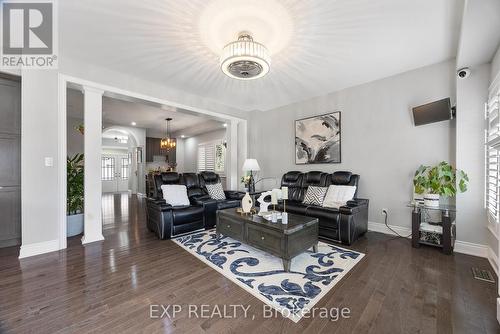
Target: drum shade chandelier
245	59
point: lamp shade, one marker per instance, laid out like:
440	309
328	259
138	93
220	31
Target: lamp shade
251	165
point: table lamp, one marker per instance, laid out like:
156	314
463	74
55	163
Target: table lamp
251	165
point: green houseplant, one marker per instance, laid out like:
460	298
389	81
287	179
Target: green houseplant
75	194
439	180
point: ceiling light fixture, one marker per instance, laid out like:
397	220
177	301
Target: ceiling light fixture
166	142
133	123
224	125
245	59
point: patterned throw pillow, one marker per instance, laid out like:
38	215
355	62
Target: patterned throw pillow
315	195
215	191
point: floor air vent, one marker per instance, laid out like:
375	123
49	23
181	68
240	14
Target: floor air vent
483	275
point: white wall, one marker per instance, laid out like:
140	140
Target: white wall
39	190
472	93
495	66
379	140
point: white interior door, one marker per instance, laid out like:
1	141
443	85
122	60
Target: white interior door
115	173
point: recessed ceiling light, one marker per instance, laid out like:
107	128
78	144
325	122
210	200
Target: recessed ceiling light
182	136
224	125
133	123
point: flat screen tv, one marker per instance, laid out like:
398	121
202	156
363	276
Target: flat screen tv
432	112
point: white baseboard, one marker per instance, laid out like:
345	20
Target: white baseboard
470	248
463	247
90	239
38	248
379	227
493	259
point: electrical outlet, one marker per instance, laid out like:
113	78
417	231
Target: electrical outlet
385	211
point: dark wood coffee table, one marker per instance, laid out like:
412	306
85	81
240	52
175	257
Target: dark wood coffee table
283	240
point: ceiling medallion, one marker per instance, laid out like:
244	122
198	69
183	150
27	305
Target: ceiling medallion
245	59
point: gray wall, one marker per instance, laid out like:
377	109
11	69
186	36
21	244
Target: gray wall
379	140
472	93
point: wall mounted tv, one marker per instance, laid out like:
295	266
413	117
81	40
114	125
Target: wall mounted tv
433	112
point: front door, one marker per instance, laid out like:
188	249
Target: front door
115	172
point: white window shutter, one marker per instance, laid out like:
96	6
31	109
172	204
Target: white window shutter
492	158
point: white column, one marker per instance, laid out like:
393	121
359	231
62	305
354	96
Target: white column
92	111
233	155
242	150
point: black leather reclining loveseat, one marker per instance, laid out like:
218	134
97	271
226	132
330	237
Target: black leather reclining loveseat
168	221
344	224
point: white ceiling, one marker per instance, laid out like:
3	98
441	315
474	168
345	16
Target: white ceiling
120	112
317	46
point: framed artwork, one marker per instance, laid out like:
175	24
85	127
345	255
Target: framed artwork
220	158
318	139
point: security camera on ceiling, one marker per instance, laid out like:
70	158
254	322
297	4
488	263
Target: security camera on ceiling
463	73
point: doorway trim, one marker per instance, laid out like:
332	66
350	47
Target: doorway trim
65	81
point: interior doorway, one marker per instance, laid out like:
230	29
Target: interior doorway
120	166
83	102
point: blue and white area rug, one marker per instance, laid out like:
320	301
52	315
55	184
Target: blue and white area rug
292	293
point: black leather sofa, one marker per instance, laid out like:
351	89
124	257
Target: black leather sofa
168	221
344	224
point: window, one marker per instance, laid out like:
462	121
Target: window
492	151
125	168
212	157
107	168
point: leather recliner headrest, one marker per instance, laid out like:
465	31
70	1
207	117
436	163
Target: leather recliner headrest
170	178
341	178
315	178
191	180
292	179
209	177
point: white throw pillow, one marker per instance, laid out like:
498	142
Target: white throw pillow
215	191
336	196
175	194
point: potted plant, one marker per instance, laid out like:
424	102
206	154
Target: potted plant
440	180
75	195
246	181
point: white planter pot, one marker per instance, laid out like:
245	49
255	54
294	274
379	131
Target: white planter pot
431	200
418	198
74	225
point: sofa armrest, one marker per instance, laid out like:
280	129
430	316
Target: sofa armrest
159	217
159	203
234	194
353	220
200	199
353	206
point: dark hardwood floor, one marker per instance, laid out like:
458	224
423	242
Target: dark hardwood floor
108	287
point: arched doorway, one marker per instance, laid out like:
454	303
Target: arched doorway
121	162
